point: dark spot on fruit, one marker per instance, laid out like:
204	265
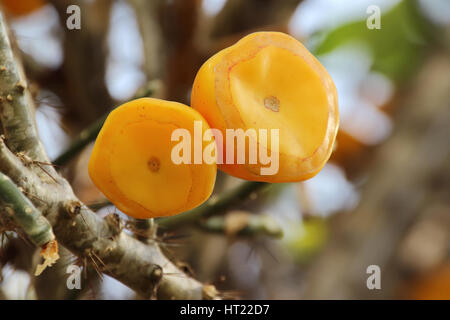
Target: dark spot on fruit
272	103
154	164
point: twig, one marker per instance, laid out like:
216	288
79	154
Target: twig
243	224
85	137
212	206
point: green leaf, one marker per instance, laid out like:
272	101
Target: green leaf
397	48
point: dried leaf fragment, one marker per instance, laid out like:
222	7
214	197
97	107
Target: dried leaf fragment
50	254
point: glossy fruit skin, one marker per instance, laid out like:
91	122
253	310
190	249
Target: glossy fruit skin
22	7
131	161
275	54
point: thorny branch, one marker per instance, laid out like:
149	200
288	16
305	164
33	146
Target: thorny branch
140	266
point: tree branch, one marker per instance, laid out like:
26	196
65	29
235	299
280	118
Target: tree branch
23	212
79	142
17	121
241	223
212	206
102	241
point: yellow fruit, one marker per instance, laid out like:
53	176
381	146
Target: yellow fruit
132	164
269	80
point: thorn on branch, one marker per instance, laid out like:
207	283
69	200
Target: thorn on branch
155	274
21	86
73	208
27	161
115	224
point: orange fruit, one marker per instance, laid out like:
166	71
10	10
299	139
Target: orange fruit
132	159
269	81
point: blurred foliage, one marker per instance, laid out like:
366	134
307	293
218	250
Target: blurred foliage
397	48
311	237
435	285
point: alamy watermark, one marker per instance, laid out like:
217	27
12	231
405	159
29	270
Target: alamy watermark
74	278
235	140
374	280
73	21
374	20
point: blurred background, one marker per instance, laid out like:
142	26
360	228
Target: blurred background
383	198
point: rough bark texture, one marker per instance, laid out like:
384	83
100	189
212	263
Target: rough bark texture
17	122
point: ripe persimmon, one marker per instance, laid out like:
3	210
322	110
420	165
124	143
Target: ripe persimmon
269	80
132	164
